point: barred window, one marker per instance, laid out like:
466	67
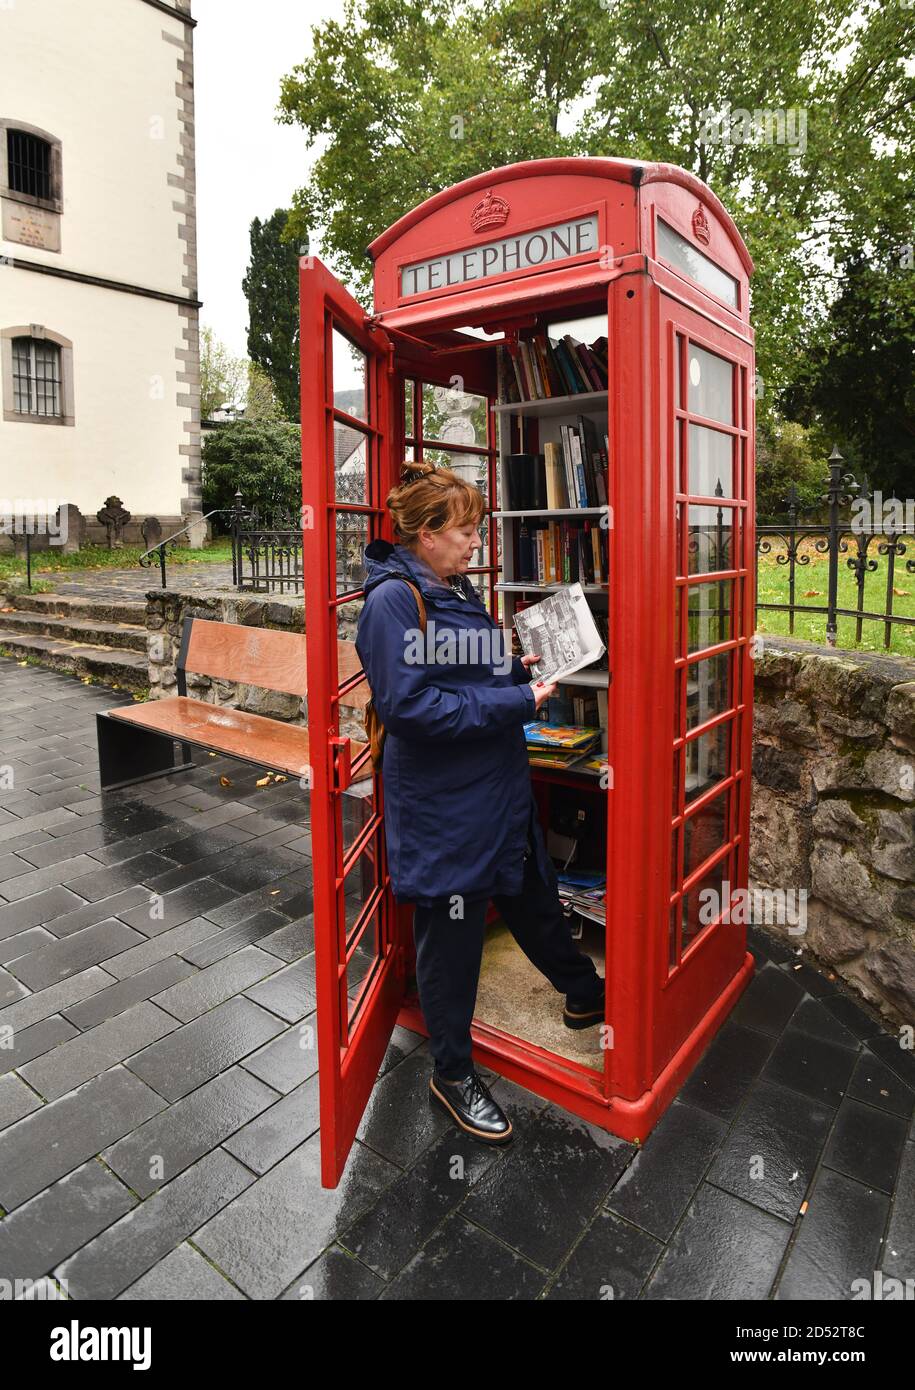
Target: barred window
36	376
29	161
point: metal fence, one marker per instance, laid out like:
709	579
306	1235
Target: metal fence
842	537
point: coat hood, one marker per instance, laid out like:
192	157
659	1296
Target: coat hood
382	559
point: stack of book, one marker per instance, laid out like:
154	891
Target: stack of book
541	367
585	891
569	473
562	552
559	745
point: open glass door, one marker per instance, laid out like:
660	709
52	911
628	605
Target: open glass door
359	964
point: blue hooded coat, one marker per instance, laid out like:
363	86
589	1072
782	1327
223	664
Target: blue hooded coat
459	807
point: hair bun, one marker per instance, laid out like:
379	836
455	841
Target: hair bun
412	471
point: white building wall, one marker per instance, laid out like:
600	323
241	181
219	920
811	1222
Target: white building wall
112	80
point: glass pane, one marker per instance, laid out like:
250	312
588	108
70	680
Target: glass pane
679	426
711	465
408	394
707	691
678	361
350	456
707	760
678	610
674	861
710	545
703	904
672	936
454	417
710	383
352	536
704	833
680	253
678	701
349	376
709	617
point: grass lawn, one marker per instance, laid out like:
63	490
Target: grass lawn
812	586
99	557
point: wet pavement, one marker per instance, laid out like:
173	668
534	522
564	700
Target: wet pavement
159	1103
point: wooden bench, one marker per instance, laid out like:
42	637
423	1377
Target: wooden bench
137	741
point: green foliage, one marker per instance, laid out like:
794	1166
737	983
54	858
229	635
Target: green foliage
402	98
787	453
261	402
261	459
271	286
223	378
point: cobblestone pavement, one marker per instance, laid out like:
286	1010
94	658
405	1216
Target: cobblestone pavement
134	583
159	1113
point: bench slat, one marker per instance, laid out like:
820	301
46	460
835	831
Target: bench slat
249	736
256	655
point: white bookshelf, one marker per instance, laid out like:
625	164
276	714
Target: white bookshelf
549	414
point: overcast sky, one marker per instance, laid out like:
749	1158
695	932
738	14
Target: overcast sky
247	164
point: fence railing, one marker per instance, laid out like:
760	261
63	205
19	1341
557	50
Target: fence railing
841	537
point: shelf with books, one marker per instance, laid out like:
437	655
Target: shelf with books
588	402
534	586
553	511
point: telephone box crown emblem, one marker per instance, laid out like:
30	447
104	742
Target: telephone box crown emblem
488	212
701	230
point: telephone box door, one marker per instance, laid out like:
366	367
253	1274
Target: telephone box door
359	965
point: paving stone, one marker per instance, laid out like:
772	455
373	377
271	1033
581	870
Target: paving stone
118	997
897	1055
722	1249
838	1240
810	1065
390	1233
25	1043
61	1135
285	1219
118	1257
170	1142
11	989
288	1059
611	1261
290	992
198	1051
50	964
768	1001
277	1130
74	1062
866	1145
216	983
540	1198
873	1081
282	896
159	948
23	943
41	821
87	914
180	906
897	1257
334	1277
460	1255
16	1100
54	999
293	941
38	1235
30	884
105	880
36	911
183	1275
657	1186
225	941
772	1150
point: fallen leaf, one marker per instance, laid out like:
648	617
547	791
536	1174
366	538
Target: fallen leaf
279	778
225	782
812	593
900	593
263	782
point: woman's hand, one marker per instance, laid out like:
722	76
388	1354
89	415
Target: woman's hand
541	692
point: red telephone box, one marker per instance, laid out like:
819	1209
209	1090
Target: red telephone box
650	252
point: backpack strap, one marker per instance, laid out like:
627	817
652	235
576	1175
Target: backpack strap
421	607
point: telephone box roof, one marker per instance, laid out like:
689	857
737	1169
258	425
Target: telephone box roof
632	171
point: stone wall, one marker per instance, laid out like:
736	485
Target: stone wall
833	809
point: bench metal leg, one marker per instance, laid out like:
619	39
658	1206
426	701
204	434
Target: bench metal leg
128	754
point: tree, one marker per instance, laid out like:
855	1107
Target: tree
223	378
259	458
786	454
800	118
271	286
261	402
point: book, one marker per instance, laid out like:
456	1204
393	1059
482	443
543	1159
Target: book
562	629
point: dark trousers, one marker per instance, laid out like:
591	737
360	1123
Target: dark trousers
449	951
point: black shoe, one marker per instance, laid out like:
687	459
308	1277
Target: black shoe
470	1105
584	1014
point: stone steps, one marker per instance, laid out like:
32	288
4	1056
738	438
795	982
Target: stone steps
125	669
80	609
119	636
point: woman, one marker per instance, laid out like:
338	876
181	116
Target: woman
460	817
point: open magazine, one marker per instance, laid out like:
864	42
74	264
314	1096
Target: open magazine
562	629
